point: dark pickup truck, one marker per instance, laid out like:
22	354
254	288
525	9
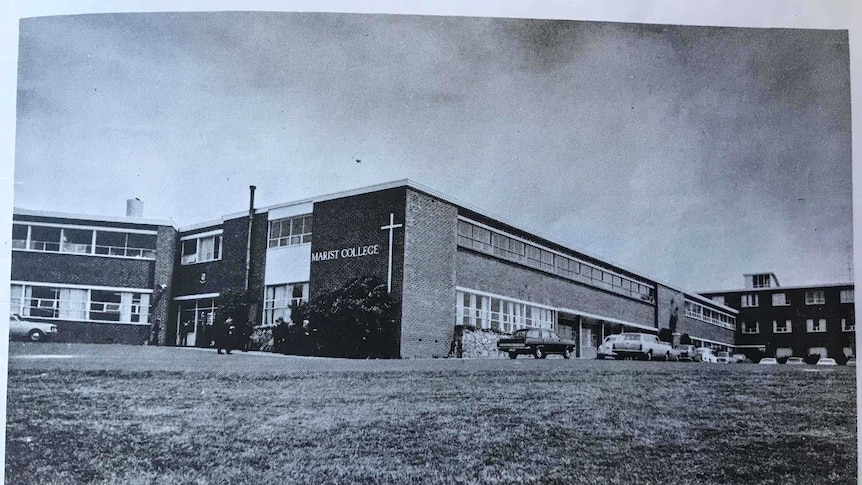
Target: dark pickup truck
537	342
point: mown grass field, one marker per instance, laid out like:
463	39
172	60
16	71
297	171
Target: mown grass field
134	415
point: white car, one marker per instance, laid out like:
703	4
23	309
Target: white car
704	354
606	349
795	361
826	361
32	331
769	361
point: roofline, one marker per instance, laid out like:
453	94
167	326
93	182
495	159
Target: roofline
778	288
90	217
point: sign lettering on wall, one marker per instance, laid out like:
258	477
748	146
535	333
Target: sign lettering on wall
344	253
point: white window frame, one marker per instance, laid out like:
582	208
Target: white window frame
745	331
198	256
749	300
820	326
787	327
134	307
274	307
780	299
815	297
90	248
290	239
845	327
847	296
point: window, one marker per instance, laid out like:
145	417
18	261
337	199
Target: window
81	304
718	299
779	299
19	236
761	281
848	325
130	245
105	305
45	238
500	314
290	231
84	241
278	299
750	327
201	250
77	241
815	297
749	300
821	351
846	296
816	326
781	327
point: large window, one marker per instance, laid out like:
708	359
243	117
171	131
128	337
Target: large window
278	298
499	313
815	297
761	281
848	325
847	296
106	242
715	317
201	249
750	327
290	231
80	303
816	326
779	326
749	300
496	243
780	299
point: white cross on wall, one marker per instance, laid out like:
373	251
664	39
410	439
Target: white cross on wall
391	227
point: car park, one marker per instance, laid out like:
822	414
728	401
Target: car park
606	348
685	352
795	361
31	330
826	361
642	345
704	354
536	342
769	361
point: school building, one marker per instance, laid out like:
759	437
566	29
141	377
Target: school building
446	264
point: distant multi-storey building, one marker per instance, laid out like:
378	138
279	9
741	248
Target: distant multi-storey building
781	321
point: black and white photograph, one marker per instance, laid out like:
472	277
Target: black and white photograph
485	244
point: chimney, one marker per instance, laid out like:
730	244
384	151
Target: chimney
135	208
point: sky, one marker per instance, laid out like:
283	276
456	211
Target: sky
691	155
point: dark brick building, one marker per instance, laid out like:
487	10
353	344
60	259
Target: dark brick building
98	279
782	321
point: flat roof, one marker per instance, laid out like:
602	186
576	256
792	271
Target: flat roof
777	289
87	217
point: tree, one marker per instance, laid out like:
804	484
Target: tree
357	320
665	335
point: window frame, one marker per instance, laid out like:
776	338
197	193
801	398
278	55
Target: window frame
815	297
788	326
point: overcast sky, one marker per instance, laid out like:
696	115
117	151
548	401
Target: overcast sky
689	154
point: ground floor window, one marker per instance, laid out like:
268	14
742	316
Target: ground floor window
195	319
821	351
63	303
783	352
278	298
500	313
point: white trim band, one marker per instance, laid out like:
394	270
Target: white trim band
199	296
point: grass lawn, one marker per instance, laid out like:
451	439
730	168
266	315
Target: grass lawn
133	415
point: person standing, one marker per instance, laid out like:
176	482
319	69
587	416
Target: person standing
185	328
225	335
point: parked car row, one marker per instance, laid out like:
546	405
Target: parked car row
648	347
31	330
800	361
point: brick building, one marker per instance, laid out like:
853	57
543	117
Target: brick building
99	279
447	265
782	321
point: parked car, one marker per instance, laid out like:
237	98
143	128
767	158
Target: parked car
32	331
606	348
826	361
537	342
795	361
642	345
851	361
739	359
704	354
769	361
722	357
685	352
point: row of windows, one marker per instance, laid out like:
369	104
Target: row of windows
786	326
278	298
290	231
704	314
201	249
80	304
53	239
812	297
511	249
500	314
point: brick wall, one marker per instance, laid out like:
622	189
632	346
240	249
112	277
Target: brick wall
79	269
166	248
486	273
428	313
667	299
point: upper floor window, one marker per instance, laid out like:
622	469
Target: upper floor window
749	300
782	327
290	231
816	326
848	325
815	297
718	299
846	296
750	327
201	249
78	240
780	299
761	281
